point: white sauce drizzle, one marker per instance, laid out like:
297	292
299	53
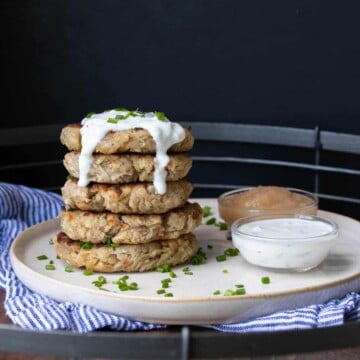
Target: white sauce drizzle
286	228
164	133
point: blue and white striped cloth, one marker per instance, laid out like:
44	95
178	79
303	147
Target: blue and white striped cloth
21	207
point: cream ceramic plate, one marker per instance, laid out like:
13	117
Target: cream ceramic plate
193	301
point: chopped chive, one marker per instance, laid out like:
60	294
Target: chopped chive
169	295
185	269
163	268
51	262
109	243
229	292
199	258
265	280
50	267
211	221
42	257
100	281
206	211
85	245
240	291
160	115
57	257
112	121
124	286
220	258
188	273
89	115
121	109
231	252
216	292
239	285
69	268
172	274
69	177
222	226
167	280
133	286
88	272
225	271
161	291
165	285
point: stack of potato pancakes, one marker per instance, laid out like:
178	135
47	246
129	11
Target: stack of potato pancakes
119	222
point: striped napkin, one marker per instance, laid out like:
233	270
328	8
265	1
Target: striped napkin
21	207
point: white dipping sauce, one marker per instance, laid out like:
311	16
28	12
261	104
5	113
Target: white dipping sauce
286	228
295	244
164	133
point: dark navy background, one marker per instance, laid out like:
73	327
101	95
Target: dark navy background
288	63
292	63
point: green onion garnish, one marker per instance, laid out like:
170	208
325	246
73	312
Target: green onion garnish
220	258
216	292
211	221
42	257
265	280
229	292
163	268
206	211
172	274
133	286
100	281
161	291
85	245
222	226
89	115
109	243
240	291
112	121
88	272
69	268
199	258
160	115
225	271
124	286
50	267
231	252
169	295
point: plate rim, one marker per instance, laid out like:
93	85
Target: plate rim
119	296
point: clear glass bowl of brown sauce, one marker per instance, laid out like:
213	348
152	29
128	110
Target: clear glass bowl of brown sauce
265	200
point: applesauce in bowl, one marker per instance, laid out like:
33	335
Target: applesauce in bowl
265	200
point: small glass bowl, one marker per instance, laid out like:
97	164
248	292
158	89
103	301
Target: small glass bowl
231	208
285	242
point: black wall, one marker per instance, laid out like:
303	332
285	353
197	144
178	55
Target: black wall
292	63
288	63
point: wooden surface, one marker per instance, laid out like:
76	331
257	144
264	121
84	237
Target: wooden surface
343	354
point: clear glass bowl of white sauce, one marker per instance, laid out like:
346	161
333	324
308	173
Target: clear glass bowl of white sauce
286	242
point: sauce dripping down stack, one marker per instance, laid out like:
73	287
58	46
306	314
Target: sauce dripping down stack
126	203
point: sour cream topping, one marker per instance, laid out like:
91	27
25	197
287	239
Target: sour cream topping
287	228
164	133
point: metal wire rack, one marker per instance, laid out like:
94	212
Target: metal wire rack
33	156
